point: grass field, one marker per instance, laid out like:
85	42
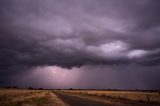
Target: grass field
123	96
21	97
15	97
18	97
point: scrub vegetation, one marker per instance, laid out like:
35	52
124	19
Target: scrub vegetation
19	97
30	97
120	97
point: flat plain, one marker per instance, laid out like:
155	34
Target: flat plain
118	98
19	97
24	97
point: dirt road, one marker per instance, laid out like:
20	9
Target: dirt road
82	100
78	100
55	100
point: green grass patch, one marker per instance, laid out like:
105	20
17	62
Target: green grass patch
40	101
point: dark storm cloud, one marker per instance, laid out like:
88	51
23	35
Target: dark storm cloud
76	33
87	77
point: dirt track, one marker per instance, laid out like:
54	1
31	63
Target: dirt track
78	101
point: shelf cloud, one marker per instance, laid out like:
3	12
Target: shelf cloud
68	34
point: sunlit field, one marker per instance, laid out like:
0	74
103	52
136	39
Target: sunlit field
132	95
24	97
13	97
146	97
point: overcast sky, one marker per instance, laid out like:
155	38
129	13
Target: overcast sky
110	44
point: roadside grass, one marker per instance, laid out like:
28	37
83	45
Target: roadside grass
21	97
40	101
132	97
36	101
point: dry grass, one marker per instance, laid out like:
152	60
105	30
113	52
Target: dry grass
12	97
138	96
17	97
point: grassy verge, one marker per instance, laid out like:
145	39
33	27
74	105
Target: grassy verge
27	98
115	99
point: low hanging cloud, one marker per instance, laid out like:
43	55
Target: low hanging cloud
88	76
77	33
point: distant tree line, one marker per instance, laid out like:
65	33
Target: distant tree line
32	88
